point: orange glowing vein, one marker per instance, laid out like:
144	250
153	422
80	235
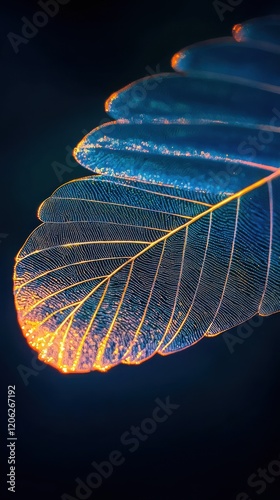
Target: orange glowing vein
220	204
139	355
177	291
80	243
121	205
77	263
195	293
63	290
136	335
270	193
229	266
103	344
61	349
137	188
79	350
73	304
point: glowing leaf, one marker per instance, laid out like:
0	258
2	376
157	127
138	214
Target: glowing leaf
180	238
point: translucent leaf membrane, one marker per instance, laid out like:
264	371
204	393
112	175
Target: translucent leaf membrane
213	158
205	268
188	100
180	238
248	63
264	30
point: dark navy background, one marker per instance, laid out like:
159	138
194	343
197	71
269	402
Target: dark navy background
227	423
